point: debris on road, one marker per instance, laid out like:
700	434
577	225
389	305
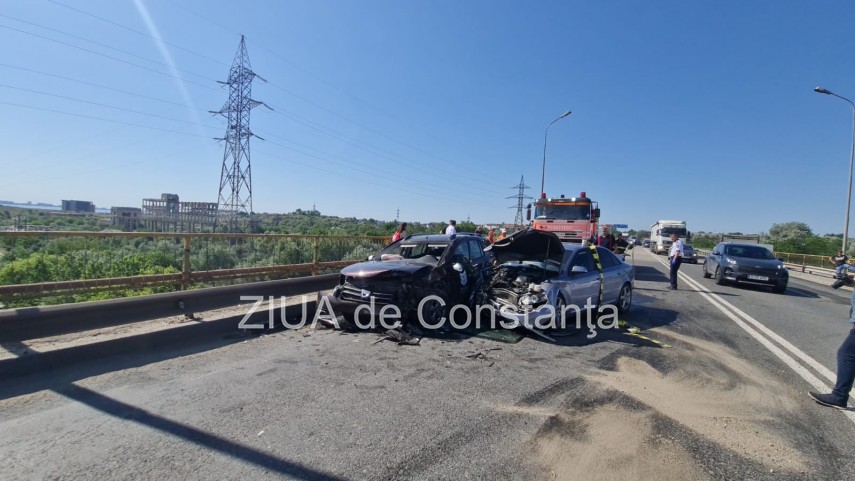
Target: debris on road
483	355
401	337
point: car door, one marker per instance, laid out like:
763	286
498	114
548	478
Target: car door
611	274
461	281
481	263
714	258
582	285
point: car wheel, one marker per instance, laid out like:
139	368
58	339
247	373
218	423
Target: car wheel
560	304
707	275
780	288
624	298
432	312
478	296
719	279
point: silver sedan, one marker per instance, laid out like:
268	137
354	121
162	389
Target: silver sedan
540	282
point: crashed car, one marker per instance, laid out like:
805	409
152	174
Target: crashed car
537	275
441	270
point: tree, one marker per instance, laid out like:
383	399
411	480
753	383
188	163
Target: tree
790	236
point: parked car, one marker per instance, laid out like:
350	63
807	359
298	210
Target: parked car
452	267
535	269
645	243
746	263
689	254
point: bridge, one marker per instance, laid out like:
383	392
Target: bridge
712	384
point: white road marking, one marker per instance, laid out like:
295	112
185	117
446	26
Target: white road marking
732	312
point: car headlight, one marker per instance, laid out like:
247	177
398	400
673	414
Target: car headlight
781	266
531	299
731	261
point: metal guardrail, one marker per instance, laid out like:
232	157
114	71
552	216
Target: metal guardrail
89	260
800	261
35	322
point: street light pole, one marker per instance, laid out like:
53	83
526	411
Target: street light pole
543	170
851	163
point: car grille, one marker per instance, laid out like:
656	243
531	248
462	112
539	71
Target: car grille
760	271
383	292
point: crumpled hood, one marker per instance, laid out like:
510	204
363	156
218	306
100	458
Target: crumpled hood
529	244
384	268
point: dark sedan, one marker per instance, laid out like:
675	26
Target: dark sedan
746	263
424	274
689	254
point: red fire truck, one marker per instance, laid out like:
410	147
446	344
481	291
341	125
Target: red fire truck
572	219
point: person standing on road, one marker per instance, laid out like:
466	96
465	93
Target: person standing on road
502	234
839	397
621	245
840	261
675	254
451	228
605	240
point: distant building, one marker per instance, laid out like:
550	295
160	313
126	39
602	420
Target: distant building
129	218
168	213
78	206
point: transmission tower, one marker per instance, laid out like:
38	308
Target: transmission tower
521	197
235	197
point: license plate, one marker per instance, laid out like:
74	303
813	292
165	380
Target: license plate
758	278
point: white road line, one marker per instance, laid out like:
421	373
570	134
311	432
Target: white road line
731	312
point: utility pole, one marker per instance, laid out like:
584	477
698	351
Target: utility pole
521	197
235	197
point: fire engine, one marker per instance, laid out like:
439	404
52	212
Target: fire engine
572	219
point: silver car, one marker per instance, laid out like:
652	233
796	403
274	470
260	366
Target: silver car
537	275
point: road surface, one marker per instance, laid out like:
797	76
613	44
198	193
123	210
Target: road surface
716	388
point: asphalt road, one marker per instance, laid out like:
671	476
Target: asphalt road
715	389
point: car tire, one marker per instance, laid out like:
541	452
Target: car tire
432	313
780	288
624	300
707	275
719	278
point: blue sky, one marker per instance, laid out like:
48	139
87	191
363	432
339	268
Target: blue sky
703	111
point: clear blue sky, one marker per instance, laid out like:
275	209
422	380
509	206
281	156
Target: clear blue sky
701	111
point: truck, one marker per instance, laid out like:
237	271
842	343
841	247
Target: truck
572	219
660	234
741	238
746	239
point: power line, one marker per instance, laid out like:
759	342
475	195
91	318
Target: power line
110	47
235	197
106	106
521	197
305	121
105	87
107	56
294	94
91	117
144	34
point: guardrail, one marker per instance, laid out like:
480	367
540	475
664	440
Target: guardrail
74	266
800	261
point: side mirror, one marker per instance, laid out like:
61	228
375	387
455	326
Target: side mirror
528	212
457	267
579	270
716	253
597	213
